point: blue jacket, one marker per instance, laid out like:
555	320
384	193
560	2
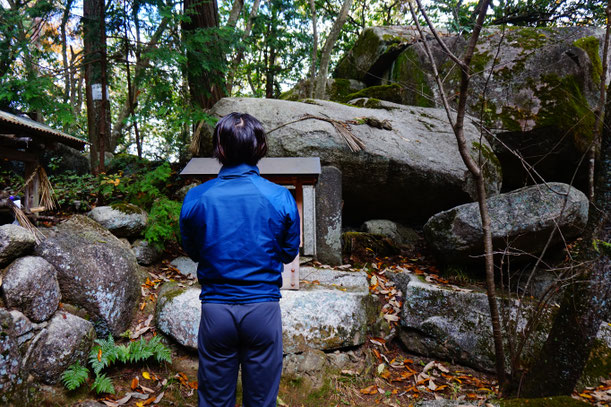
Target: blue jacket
241	228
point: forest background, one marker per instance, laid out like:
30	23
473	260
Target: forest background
163	62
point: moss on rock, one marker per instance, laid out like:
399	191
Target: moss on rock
407	71
591	46
564	106
126	208
391	93
598	365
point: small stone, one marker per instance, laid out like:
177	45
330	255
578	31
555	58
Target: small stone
30	285
146	253
66	340
15	241
185	265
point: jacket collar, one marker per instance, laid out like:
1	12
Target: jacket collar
238	170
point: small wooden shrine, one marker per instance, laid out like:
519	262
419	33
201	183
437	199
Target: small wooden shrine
23	139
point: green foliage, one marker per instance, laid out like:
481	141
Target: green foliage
105	353
163	223
103	384
75	376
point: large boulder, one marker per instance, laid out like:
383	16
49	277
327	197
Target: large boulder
15	241
66	340
408	170
521	219
536	89
453	324
335	313
122	220
30	285
10	359
96	271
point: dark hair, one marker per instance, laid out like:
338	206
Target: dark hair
239	138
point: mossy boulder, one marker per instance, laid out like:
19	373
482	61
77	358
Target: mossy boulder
522	219
536	89
337	90
374	51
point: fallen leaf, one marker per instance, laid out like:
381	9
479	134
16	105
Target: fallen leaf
373	389
110	403
100	355
158	399
135	382
146	389
124	399
146	375
280	402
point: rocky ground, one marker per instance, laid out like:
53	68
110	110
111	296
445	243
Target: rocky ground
377	373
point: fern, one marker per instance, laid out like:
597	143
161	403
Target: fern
105	353
139	350
75	376
162	353
123	353
103	384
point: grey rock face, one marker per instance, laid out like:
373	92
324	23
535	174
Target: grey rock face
415	165
329	216
453	325
30	285
146	254
96	271
10	359
396	232
124	220
66	340
24	328
323	317
15	241
524	218
185	265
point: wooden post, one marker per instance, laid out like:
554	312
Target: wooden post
32	190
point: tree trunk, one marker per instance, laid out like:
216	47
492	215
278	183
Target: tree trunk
325	58
240	54
205	85
98	108
236	10
314	50
141	64
568	345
